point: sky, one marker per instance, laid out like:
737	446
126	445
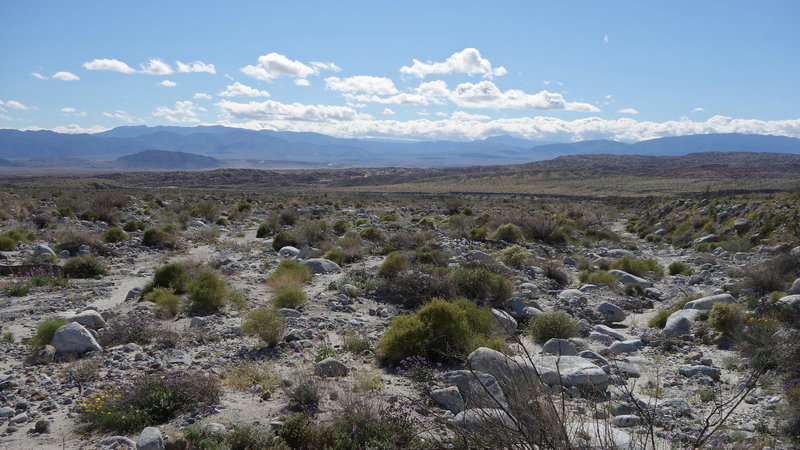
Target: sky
434	70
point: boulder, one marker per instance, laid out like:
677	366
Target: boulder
792	301
741	224
611	312
330	367
44	355
609	332
569	294
795	289
482	257
42	249
692	371
116	442
626	278
321	265
708	302
600	337
288	251
485	421
449	398
680	322
559	347
625	421
477	389
89	319
504	322
706	238
150	439
74	338
629	346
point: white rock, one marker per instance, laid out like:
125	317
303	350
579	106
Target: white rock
74	338
708	302
150	439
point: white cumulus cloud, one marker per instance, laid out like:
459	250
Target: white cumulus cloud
38	76
402	98
273	65
184	111
70	111
362	83
77	129
65	76
465	116
122	115
196	66
302	82
320	66
242	90
468	61
201	96
628	111
167	83
111	65
388	111
157	67
698	109
272	110
13	104
487	95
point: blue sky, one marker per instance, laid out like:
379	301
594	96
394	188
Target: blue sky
556	71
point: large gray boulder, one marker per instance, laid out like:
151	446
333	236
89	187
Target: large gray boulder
706	238
693	371
611	312
321	265
482	257
504	322
629	346
449	398
795	289
43	250
680	322
559	347
626	278
89	319
708	302
330	367
486	421
74	338
609	332
477	389
289	251
150	439
792	301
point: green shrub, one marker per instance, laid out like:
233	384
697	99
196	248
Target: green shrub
18	288
638	267
481	283
266	323
165	236
553	324
336	255
282	239
766	358
515	256
252	437
113	235
509	233
372	234
361	221
388	218
7	243
199	436
45	331
438	331
774	296
356	342
151	400
8	337
598	277
172	276
289	273
134	225
341	226
208	292
264	230
394	264
725	317
289	297
304	396
65	211
428	254
167	303
677	267
707	395
84	267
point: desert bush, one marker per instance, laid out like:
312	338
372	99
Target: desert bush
395	263
350	243
677	267
341	226
763	279
287	218
555	271
8	337
208	292
208	210
482	283
413	288
84	267
167	303
553	324
430	254
266	323
265	229
515	256
289	273
304	395
361	221
113	235
725	317
597	277
166	236
289	297
139	328
660	319
509	232
254	437
284	238
336	255
44	332
150	400
439	331
478	233
134	225
356	342
72	242
7	243
388	217
372	234
245	376
312	232
173	276
638	267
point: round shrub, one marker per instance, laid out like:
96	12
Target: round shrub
113	235
597	277
45	331
289	273
478	234
509	233
208	292
266	323
553	324
282	239
173	276
395	263
134	225
160	237
341	226
373	234
289	297
264	230
167	303
725	317
514	256
638	267
7	243
678	267
84	267
481	283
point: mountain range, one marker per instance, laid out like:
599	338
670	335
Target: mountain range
207	147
